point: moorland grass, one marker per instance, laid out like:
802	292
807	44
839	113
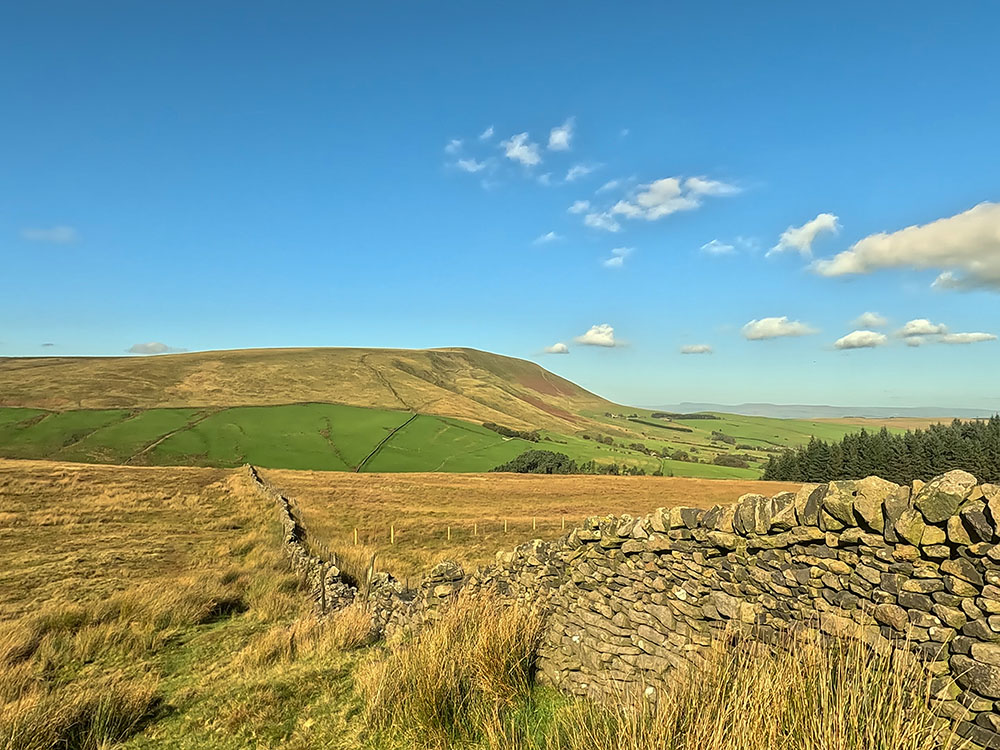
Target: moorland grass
467	681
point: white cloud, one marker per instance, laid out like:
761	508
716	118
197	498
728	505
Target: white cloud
60	235
610	185
657	199
968	243
696	349
716	247
557	348
915	341
772	328
577	171
454	146
152	347
579	207
618	256
922	327
603	221
547	238
519	148
705	186
470	165
861	340
871	320
802	238
486	134
560	136
967	338
598	335
669	195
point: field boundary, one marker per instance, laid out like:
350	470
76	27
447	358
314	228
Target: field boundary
628	601
382	442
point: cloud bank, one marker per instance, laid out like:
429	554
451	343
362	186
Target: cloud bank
966	247
801	238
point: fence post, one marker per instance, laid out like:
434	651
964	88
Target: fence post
534	523
449	533
475	529
564	523
355	536
392	534
505	526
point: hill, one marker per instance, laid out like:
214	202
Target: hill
462	383
373	410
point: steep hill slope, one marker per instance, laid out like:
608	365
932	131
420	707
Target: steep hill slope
463	383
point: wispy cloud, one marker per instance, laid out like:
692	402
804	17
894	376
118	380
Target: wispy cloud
618	256
717	247
518	148
557	348
546	238
697	349
611	185
153	347
801	238
561	136
861	340
965	246
471	165
669	195
579	207
453	146
705	186
598	335
773	328
59	235
602	220
967	338
486	134
577	171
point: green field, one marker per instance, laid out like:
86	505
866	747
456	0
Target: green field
334	437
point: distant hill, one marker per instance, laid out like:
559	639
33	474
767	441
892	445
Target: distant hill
463	383
806	411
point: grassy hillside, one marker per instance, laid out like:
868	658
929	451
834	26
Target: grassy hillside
356	409
333	437
462	383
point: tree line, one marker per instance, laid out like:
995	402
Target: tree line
973	446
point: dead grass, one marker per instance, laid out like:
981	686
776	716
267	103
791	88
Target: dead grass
422	507
463	383
466	681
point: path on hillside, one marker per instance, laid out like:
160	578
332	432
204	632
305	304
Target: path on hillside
384	441
187	426
385	381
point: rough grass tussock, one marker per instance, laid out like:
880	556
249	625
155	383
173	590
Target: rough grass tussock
467	681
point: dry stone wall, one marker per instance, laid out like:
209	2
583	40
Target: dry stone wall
629	600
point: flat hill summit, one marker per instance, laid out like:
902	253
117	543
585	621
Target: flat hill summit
455	382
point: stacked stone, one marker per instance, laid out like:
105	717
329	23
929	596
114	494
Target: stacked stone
327	589
915	565
630	600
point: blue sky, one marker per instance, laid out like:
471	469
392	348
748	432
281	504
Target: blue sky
224	175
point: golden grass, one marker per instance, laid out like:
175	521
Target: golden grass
77	533
422	507
463	383
466	672
467	681
142	561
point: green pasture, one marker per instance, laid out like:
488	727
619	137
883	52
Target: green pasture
333	437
